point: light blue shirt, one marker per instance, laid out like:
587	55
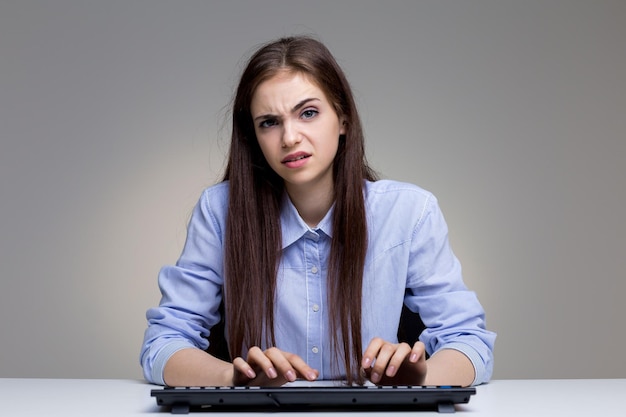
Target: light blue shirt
409	260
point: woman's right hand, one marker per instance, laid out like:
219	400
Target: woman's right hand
271	367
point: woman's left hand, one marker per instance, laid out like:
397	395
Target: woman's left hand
386	363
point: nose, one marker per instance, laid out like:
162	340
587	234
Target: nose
290	136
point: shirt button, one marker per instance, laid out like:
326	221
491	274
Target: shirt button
315	349
314	270
316	308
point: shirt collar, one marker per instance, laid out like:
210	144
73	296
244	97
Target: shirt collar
293	226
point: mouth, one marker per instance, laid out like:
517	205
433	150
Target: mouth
295	157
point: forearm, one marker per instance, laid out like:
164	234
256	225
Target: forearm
195	367
449	367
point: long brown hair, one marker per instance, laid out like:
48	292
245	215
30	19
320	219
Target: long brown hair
253	234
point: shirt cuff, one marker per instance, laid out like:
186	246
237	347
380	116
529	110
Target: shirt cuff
480	371
164	355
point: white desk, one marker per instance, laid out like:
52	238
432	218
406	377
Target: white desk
122	398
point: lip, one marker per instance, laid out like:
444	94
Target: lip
296	159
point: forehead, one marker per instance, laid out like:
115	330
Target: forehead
284	90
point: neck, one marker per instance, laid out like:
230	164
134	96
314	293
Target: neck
312	204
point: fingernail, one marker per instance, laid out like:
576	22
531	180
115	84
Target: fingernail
391	370
250	374
311	376
413	357
290	375
375	377
366	362
271	372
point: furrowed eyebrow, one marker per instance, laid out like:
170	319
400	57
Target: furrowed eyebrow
303	103
293	110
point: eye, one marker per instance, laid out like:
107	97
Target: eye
268	123
309	113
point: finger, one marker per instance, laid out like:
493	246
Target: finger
418	351
243	367
258	358
403	351
282	365
385	353
371	352
302	368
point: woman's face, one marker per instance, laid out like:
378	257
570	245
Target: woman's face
298	131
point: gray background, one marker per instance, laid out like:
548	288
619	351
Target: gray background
113	118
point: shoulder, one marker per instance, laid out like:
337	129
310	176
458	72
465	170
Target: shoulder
389	191
214	200
399	202
217	192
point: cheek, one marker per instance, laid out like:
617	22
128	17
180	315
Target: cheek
330	149
333	140
268	151
264	143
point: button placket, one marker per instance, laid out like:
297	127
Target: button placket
314	301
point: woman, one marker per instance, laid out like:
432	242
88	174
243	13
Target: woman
311	258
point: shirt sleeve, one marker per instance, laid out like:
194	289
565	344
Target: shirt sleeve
191	292
453	316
